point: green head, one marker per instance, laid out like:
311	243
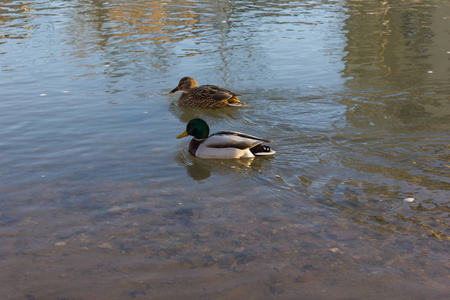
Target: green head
197	128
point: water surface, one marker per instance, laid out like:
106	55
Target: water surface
100	201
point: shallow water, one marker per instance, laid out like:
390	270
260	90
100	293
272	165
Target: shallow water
100	201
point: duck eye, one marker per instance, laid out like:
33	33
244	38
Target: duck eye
191	130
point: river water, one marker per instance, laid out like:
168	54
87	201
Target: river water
100	201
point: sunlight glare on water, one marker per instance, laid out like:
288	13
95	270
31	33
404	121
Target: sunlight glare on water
96	191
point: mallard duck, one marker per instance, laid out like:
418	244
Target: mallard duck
223	144
206	96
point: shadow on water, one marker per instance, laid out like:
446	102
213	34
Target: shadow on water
202	169
185	114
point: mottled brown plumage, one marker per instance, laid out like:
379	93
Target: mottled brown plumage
205	96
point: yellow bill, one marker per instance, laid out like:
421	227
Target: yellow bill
182	135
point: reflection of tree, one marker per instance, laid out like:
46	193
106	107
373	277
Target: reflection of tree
86	26
152	21
396	117
388	48
15	15
387	43
223	36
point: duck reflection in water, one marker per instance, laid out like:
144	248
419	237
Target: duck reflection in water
202	169
185	114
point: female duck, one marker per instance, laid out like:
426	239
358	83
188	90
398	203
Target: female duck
223	144
206	96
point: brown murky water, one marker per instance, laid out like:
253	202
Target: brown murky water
100	201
